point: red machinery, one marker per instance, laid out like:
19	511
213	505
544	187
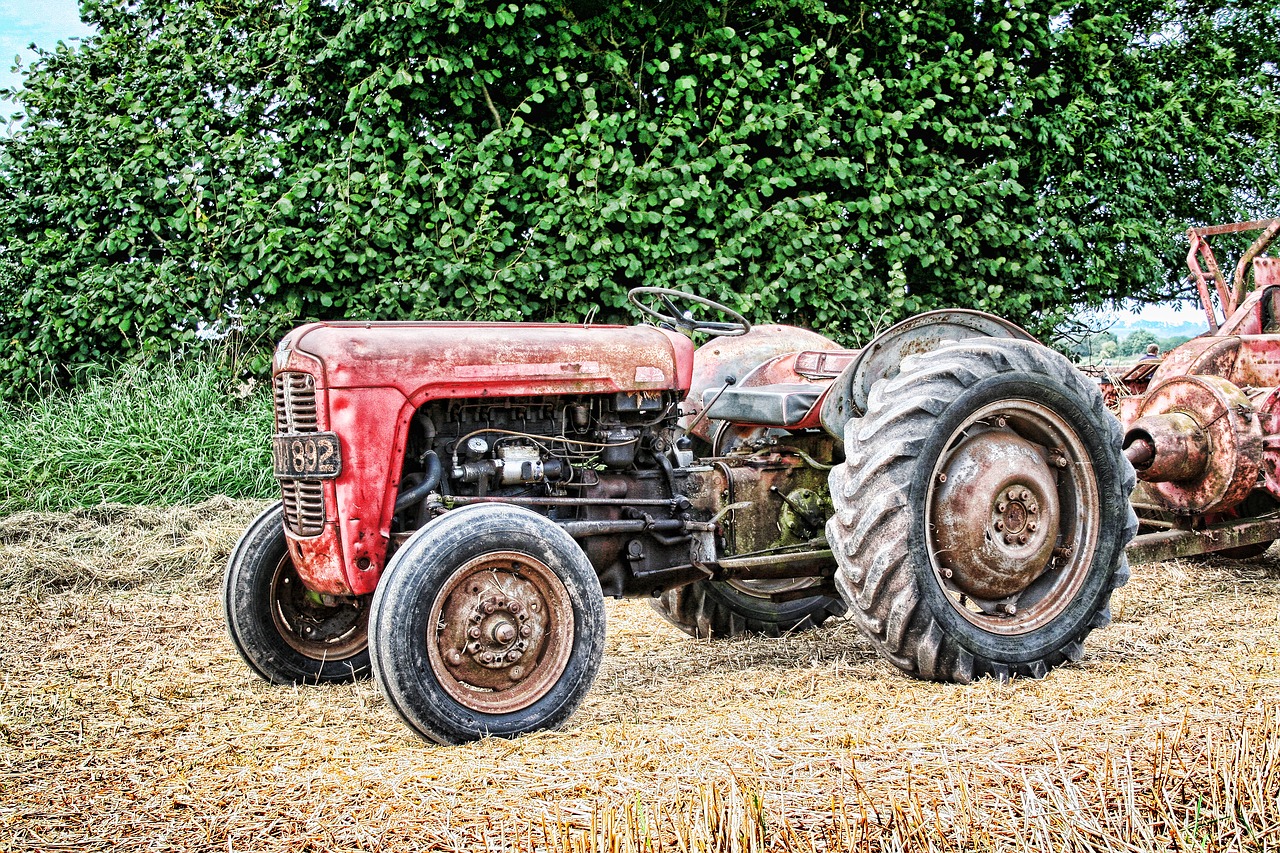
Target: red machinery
459	497
1204	437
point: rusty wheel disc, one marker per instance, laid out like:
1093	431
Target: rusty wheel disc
502	632
1011	516
322	627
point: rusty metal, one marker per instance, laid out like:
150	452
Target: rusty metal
1208	444
322	627
1011	516
503	632
1168	447
1223	536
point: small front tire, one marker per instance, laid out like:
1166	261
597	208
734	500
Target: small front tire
286	633
489	621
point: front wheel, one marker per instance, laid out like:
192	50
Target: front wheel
489	621
284	631
982	512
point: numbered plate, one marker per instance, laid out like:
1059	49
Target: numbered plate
314	456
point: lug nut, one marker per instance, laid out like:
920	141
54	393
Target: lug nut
526	630
1002	506
1025	495
1012	494
1032	525
515	607
998	524
486	657
474	632
1022	540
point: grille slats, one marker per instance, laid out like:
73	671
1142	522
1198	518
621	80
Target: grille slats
296	412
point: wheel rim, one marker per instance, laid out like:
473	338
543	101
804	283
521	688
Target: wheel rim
501	632
1012	517
317	626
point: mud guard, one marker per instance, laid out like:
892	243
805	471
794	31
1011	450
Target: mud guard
881	358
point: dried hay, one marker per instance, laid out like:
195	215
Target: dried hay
128	722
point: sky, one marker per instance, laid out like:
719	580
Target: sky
22	22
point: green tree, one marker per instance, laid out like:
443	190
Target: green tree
1136	342
254	163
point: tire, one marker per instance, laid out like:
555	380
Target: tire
715	609
285	634
488	621
966	546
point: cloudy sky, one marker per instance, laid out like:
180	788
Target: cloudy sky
23	22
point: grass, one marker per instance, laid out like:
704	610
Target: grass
172	432
128	722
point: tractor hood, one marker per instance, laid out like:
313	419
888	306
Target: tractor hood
435	360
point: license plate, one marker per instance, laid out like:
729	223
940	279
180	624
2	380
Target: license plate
314	456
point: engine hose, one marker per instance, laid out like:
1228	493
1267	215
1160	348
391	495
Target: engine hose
430	481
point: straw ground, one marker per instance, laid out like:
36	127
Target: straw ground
127	722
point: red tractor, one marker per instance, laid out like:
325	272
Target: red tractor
1203	428
458	498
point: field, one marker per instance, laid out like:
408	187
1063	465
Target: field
128	722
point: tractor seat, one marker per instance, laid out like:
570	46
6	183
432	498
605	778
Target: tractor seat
783	404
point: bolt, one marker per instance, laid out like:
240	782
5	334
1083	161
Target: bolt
474	632
1025	495
1002	422
526	630
1060	461
1022	539
1008	539
1010	609
942	478
515	673
1002	506
1032	525
945	572
513	656
486	657
454	657
515	607
1012	494
1033	507
999	524
504	632
488	607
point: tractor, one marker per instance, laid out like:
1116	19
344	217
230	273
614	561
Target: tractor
459	497
1202	427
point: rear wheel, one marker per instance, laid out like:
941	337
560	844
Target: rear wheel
982	512
489	621
716	609
284	631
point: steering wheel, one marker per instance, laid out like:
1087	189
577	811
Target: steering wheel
738	325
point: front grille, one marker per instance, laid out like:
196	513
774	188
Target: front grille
303	506
295	403
295	397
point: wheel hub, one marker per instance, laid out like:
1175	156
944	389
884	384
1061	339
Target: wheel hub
504	624
995	515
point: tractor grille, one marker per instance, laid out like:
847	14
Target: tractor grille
295	403
295	397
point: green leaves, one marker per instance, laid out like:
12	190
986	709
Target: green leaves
265	162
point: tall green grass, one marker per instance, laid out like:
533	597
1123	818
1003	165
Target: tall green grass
171	432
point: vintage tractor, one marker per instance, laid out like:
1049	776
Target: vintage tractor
459	497
1203	429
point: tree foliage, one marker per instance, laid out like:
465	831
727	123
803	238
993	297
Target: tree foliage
255	163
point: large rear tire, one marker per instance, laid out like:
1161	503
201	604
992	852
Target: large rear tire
982	512
715	609
488	621
286	633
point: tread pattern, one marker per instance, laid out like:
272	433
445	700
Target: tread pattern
871	528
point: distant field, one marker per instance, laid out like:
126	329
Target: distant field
128	722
